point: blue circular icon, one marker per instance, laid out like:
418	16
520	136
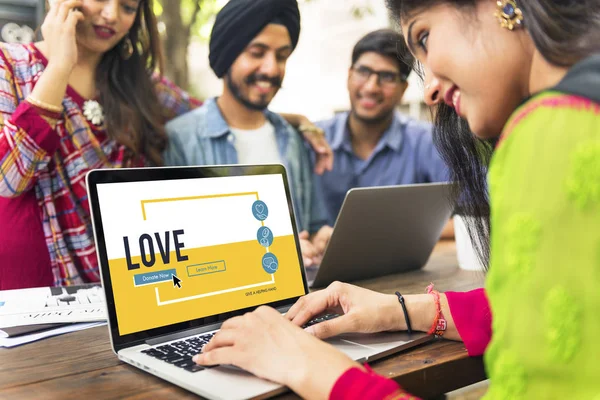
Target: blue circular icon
260	210
264	236
270	263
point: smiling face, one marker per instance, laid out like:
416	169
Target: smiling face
375	87
471	63
256	75
106	23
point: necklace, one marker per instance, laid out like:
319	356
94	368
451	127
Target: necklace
92	110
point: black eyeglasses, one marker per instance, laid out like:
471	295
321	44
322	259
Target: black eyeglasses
384	78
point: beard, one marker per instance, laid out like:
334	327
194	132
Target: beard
236	90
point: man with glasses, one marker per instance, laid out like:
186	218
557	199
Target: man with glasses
373	144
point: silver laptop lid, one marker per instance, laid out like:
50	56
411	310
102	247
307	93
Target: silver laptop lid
182	248
384	230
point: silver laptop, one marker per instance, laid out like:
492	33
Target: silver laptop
384	230
183	249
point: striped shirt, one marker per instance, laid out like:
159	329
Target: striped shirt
43	163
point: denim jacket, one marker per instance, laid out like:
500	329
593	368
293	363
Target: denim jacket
202	137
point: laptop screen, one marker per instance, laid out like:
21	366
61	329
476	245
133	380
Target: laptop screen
183	249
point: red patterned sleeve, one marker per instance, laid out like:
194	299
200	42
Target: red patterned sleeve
473	319
27	140
357	384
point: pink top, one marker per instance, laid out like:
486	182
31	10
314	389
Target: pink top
473	320
358	384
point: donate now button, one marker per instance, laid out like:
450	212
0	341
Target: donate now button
206	268
154	277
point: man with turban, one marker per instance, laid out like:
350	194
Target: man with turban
249	47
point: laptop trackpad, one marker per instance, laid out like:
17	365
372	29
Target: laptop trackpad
352	350
362	347
379	341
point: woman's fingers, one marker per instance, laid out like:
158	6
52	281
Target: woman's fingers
52	7
65	7
222	355
233	323
333	327
73	19
309	306
223	338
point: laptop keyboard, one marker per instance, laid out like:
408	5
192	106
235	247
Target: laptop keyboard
180	353
320	319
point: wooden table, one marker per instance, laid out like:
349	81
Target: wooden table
81	365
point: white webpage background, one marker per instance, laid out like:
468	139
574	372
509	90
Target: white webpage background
206	222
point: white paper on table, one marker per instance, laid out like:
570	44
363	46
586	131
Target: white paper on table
24	339
52	305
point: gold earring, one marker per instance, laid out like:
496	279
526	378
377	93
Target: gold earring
509	15
126	49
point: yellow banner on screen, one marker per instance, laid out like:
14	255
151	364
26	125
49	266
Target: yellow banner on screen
212	280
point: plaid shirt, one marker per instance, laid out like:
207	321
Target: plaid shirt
52	157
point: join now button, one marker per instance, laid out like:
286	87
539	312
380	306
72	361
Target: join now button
206	268
154	277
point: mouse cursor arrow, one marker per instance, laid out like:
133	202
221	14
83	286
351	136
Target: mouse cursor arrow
176	282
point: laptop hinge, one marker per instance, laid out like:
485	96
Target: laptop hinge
182	334
195	331
284	309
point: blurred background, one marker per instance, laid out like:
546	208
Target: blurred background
316	75
315	83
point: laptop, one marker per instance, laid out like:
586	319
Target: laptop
183	249
384	230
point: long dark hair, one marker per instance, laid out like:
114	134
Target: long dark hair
564	32
126	87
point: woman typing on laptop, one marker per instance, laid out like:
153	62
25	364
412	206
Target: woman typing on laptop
517	78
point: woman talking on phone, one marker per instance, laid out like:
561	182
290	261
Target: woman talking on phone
87	96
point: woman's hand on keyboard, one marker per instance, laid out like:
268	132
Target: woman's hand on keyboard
361	310
268	345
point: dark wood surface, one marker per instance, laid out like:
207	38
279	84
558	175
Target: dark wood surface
81	365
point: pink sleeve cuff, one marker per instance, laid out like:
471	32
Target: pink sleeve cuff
473	319
29	120
358	384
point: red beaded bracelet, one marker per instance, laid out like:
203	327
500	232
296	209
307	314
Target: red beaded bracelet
439	325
